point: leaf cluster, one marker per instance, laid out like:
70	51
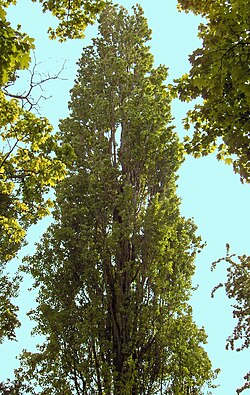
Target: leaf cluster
9	321
73	15
237	287
219	74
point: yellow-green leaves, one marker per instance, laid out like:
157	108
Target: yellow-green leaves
28	166
14	49
220	75
73	15
28	169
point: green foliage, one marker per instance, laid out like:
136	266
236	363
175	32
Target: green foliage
14	48
27	171
28	164
237	287
9	388
8	312
220	75
114	270
203	7
74	16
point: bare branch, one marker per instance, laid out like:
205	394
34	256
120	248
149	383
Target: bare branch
9	153
26	97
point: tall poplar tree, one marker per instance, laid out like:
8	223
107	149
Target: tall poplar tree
114	270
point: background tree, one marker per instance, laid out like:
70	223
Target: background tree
28	165
73	15
237	287
114	270
219	74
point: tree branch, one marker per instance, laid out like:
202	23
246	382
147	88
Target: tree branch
28	102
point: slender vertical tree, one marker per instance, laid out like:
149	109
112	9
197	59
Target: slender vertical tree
114	270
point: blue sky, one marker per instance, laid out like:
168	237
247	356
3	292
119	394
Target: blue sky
211	193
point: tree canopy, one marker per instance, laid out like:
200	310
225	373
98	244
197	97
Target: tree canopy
28	163
237	287
73	15
219	74
114	270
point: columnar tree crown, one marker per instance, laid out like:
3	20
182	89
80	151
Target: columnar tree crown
115	267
